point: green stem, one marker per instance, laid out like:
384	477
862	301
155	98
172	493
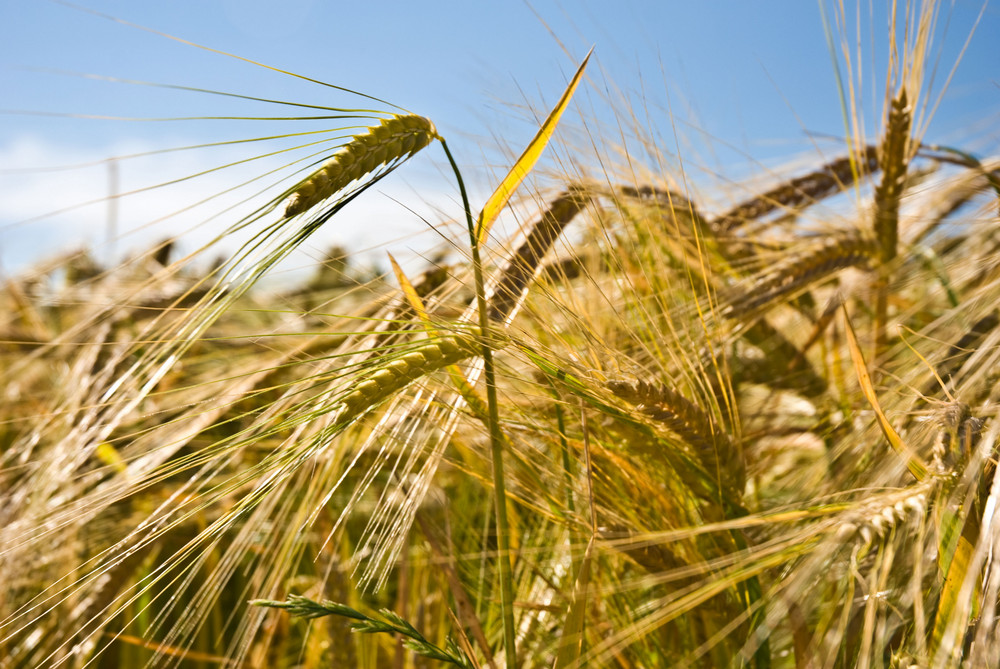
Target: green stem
496	439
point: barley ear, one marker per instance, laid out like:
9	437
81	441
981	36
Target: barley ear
801	191
713	447
802	268
893	160
396	138
513	285
395	374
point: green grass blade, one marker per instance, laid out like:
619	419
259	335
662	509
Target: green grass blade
571	640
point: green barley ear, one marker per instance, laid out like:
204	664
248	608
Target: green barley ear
389	623
394	139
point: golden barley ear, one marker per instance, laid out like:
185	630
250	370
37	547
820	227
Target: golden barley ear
782	363
815	263
663	197
394	139
713	447
893	159
801	191
513	285
668	206
393	375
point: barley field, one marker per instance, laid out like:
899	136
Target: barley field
645	420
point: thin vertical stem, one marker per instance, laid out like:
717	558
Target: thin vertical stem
496	439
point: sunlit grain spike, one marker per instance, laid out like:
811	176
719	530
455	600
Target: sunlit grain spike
894	162
812	264
395	374
395	138
691	423
514	283
803	190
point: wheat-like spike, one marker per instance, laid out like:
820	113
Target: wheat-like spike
893	160
668	201
684	418
978	178
662	196
514	283
799	375
874	519
394	374
565	269
807	189
395	138
800	269
989	172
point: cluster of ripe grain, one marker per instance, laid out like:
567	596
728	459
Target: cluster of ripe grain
513	285
393	375
393	139
804	190
879	517
894	162
803	266
712	446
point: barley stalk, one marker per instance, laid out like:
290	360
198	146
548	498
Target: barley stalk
394	139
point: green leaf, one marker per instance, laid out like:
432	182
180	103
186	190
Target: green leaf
571	640
955	577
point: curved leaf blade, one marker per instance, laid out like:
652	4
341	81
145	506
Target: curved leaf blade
527	161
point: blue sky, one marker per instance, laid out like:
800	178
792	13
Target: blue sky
734	84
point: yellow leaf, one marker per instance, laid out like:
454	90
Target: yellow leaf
454	371
950	590
527	161
913	462
409	291
108	454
